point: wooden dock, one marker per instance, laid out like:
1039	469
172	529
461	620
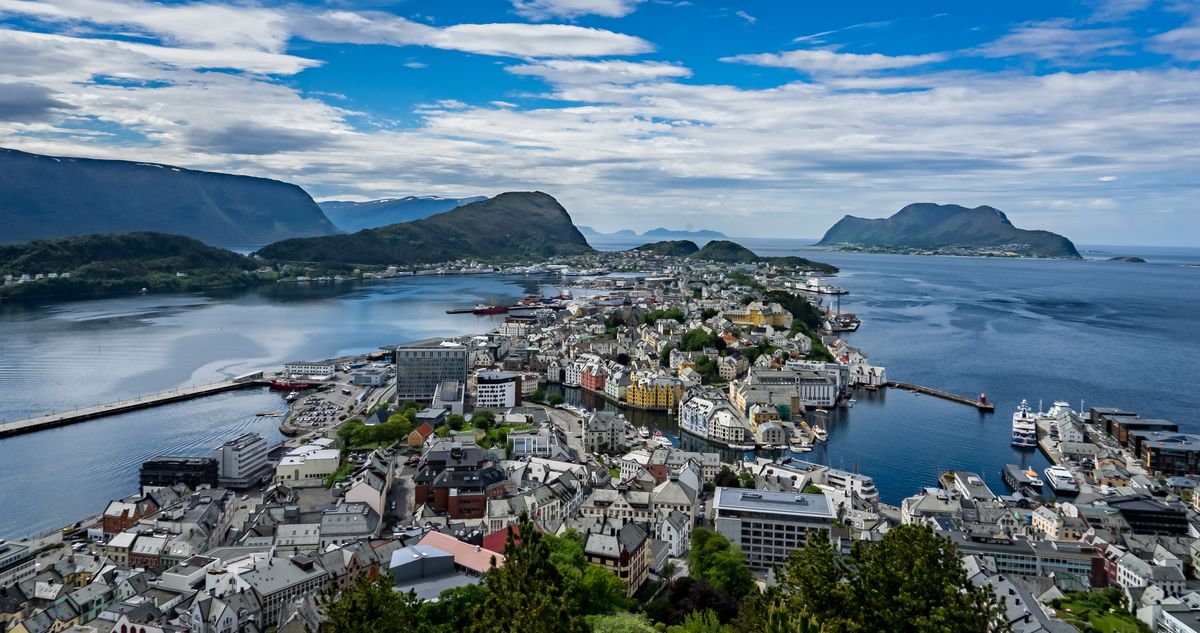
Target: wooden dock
982	406
64	418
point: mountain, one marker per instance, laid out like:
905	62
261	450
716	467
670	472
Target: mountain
674	248
356	216
590	232
54	196
725	251
685	235
121	262
947	228
509	226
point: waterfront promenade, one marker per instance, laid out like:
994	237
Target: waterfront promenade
64	418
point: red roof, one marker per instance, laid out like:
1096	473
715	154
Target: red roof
424	430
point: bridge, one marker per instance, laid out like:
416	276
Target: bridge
83	414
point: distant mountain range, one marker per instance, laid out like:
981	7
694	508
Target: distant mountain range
356	216
659	233
947	229
510	225
55	196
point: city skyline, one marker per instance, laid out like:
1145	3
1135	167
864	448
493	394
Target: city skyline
751	118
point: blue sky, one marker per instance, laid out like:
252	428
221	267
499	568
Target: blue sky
754	117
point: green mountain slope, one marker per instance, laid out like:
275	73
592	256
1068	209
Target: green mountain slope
124	262
725	251
674	248
928	226
47	196
508	226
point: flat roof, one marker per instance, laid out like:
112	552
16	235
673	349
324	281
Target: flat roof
774	502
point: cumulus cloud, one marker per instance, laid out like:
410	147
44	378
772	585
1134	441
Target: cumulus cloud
826	61
549	9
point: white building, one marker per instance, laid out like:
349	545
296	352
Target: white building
312	371
242	462
766	525
676	532
497	389
707	413
310	463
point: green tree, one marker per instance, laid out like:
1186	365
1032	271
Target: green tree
538	395
696	340
526	595
714	560
620	623
372	605
483	420
701	622
555	399
664	355
746	479
709	313
456	421
727	478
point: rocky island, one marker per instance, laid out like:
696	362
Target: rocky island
946	229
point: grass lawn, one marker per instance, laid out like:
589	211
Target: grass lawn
1099	610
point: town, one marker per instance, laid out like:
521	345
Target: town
413	462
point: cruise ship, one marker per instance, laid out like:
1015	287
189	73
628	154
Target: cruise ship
1061	481
1024	427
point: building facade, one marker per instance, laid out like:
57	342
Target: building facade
422	366
768	526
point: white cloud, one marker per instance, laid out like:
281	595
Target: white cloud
589	72
232	29
1114	10
746	16
548	9
826	61
1107	178
1059	40
1182	43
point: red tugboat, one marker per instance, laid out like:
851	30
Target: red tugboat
489	309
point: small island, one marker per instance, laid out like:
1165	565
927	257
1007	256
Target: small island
946	229
1130	260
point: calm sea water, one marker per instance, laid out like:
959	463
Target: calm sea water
1112	334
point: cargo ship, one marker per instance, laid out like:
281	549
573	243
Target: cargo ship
489	309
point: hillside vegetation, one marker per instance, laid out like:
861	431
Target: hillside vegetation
510	226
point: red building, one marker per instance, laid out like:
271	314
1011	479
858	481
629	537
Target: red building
593	378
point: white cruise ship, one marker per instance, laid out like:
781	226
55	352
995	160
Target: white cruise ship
1024	427
1061	481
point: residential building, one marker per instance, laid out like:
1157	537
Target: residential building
604	432
676	532
309	371
242	462
1170	453
458	479
422	366
768	525
620	547
653	391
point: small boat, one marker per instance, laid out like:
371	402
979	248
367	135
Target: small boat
801	447
851	402
644	432
820	434
291	397
1034	481
660	438
269	414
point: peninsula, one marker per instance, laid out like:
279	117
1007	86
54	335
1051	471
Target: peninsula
946	229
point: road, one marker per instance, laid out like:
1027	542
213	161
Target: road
571	423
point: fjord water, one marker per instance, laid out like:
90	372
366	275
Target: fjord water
1112	334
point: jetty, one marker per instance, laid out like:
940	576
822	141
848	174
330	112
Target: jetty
980	404
83	414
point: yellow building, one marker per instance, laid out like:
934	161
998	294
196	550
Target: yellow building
654	392
757	315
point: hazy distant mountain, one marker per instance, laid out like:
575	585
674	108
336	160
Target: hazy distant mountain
51	196
684	235
675	248
590	232
947	228
508	226
658	234
356	216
